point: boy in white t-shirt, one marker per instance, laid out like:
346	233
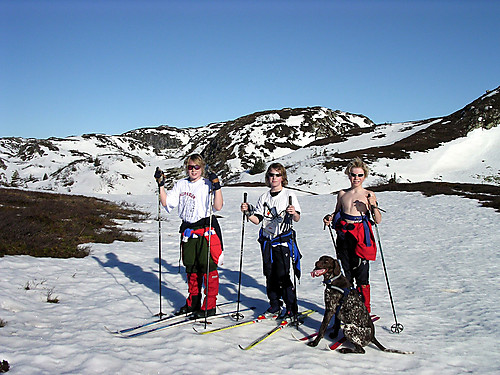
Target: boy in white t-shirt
191	196
275	209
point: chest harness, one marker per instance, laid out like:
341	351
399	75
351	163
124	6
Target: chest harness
345	292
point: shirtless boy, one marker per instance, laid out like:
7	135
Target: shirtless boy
352	220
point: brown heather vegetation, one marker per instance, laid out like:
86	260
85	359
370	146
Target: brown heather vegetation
54	225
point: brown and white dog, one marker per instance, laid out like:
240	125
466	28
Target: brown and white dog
345	303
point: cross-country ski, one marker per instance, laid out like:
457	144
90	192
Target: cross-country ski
170	318
177	323
282	324
258	319
314	334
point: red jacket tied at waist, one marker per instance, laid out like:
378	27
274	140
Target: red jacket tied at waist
358	231
213	241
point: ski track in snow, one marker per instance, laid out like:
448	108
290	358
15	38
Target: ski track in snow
442	262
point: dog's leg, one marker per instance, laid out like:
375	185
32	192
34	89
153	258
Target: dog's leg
357	349
324	325
336	328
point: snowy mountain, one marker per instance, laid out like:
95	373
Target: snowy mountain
313	143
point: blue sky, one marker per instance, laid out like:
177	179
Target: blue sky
74	67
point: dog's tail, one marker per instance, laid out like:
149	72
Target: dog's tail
384	349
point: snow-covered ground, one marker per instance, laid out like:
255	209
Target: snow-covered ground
443	265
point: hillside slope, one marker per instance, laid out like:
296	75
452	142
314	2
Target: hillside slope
313	143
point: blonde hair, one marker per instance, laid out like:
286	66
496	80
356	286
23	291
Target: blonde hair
281	169
197	160
357	163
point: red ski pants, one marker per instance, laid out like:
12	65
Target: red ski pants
195	283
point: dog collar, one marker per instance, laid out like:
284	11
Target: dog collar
329	281
328	284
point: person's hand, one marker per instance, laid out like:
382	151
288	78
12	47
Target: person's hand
214	180
247	209
327	219
291	210
372	200
159	177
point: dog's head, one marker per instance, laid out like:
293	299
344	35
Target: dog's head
327	267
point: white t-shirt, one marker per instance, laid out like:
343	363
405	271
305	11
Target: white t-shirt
273	210
191	198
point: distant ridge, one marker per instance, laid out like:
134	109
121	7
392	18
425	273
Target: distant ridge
314	143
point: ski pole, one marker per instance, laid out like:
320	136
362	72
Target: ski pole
294	265
208	254
396	327
237	315
160	314
333	239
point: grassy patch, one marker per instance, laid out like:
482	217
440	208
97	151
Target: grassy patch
54	225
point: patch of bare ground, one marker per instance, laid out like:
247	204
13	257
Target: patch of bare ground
54	225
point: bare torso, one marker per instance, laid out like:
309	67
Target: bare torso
353	202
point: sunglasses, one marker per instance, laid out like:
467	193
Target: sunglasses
357	175
273	175
195	167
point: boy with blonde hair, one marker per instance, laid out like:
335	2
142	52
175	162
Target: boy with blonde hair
352	220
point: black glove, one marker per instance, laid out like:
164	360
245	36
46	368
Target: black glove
159	177
250	211
327	218
214	180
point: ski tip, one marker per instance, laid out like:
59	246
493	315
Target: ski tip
115	333
201	331
243	348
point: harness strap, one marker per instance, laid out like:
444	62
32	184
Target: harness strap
344	291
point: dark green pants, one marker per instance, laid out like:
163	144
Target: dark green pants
194	255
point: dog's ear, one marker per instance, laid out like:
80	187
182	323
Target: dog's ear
336	267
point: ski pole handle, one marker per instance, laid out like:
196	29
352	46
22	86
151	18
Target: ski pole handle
370	205
246	213
289	204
